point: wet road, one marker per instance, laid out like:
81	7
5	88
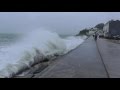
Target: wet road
85	62
111	56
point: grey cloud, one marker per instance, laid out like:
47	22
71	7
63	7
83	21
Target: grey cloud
60	22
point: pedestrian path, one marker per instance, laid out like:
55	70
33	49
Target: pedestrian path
83	62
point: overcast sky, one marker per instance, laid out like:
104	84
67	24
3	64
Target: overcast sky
60	22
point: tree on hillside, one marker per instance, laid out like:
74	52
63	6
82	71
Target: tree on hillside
83	32
100	26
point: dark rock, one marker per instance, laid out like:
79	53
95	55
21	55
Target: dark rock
33	70
45	60
40	69
26	76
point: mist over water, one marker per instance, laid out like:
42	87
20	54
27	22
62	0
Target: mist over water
19	52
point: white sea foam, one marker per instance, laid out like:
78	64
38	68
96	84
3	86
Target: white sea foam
32	48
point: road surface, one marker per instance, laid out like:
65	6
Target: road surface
91	59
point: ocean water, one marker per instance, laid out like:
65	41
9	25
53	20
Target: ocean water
7	39
18	52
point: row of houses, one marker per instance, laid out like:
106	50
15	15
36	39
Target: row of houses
110	30
93	30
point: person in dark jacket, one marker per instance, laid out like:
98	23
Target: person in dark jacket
95	36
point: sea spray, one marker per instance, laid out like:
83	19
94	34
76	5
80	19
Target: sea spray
34	47
72	42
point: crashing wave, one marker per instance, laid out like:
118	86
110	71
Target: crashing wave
34	47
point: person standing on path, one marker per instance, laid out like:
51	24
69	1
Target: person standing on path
95	36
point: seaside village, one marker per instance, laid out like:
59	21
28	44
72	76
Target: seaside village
109	30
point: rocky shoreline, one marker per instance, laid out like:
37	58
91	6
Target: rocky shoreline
35	69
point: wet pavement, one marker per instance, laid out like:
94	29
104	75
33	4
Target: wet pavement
87	61
110	52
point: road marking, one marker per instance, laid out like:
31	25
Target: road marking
102	60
